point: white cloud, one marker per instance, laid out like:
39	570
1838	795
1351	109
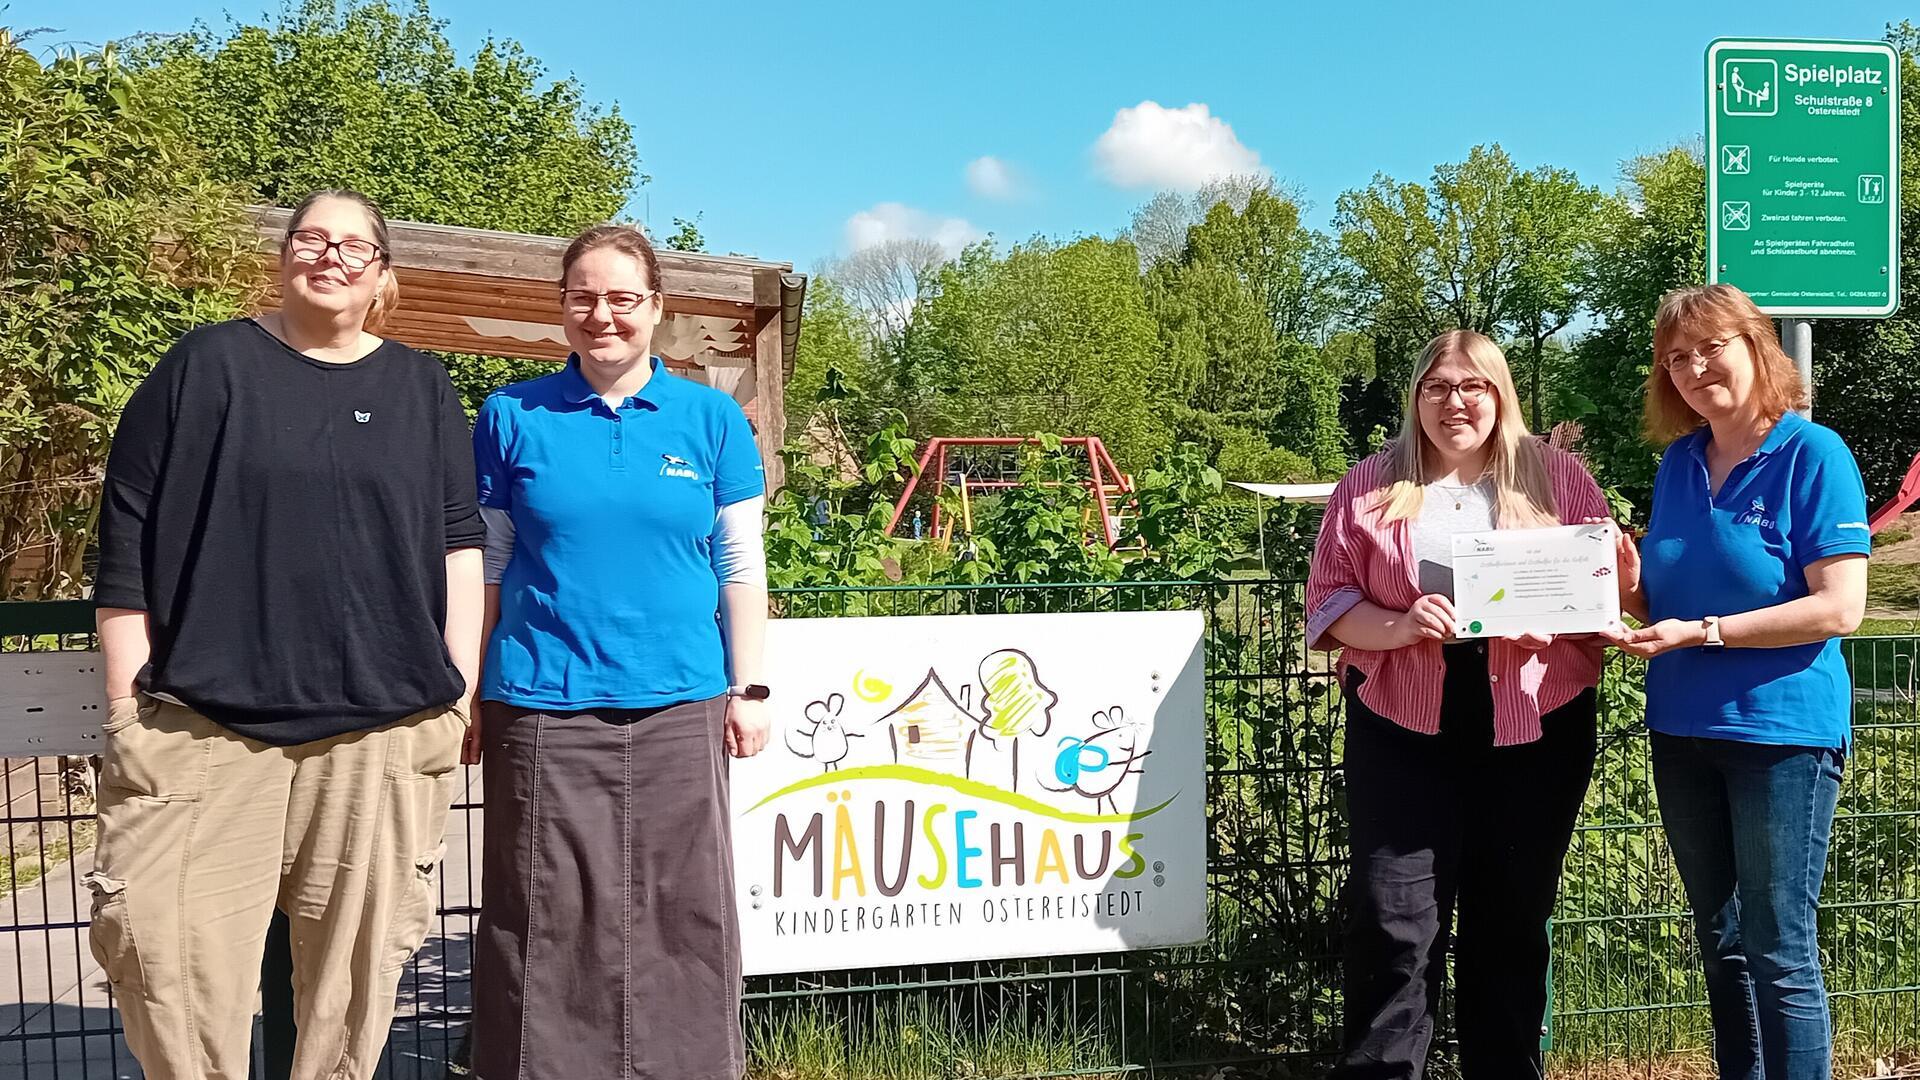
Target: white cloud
991	178
896	221
1151	146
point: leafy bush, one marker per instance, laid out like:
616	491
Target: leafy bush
828	529
113	242
828	526
1185	529
1043	530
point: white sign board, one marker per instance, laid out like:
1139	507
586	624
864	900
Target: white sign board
945	788
1541	581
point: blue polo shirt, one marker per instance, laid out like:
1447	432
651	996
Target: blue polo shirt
610	599
1797	500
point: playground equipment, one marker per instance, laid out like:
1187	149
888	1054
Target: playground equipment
980	464
1908	494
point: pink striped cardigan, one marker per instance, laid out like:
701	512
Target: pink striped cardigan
1359	557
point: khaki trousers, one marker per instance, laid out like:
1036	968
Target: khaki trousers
204	832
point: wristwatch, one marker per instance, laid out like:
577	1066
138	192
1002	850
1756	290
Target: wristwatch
751	691
1714	643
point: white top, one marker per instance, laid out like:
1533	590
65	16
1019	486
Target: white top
1444	511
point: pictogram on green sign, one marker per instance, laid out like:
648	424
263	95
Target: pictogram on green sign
1803	174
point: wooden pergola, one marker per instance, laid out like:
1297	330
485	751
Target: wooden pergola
730	322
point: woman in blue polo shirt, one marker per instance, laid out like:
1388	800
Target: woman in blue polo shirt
1753	566
623	510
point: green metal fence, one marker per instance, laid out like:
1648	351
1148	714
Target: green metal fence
1263	992
1626	971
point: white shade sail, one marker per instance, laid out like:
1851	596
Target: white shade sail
1307	493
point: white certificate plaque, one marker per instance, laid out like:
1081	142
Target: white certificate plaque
1541	581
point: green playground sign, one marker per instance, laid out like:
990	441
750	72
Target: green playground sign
1803	175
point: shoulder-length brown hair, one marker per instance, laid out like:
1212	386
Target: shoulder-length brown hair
1703	311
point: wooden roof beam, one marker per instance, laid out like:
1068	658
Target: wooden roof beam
520	257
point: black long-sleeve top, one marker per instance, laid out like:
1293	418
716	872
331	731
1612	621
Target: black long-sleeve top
284	523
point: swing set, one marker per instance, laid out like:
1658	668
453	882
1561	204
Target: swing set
981	464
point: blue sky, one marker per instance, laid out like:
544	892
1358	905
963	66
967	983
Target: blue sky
799	130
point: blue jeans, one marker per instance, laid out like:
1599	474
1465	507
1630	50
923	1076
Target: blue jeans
1749	825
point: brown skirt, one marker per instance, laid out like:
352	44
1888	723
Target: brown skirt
608	944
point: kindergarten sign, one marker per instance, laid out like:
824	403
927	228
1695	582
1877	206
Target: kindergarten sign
965	787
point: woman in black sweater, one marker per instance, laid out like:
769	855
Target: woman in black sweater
289	606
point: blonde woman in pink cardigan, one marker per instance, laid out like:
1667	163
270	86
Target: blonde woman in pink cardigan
1466	761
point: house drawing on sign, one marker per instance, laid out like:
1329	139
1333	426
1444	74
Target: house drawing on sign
930	726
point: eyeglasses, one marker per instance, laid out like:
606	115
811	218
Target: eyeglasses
1471	391
355	253
1680	359
583	301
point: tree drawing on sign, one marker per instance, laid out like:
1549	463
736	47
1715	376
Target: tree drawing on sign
1013	702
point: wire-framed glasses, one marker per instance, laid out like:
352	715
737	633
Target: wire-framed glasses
620	302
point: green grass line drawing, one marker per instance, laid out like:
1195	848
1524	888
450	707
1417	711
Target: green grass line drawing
914	774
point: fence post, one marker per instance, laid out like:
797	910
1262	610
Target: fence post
1546	1018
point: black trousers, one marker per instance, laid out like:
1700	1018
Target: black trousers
1445	824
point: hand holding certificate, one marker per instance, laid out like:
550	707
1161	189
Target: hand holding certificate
1535	581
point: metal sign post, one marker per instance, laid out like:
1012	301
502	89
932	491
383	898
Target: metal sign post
1796	336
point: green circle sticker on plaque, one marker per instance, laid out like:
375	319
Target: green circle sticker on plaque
1474	626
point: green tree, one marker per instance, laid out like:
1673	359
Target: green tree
1650	238
1436	256
1290	268
1159	226
1218	348
832	401
114	240
1555	225
1051	336
1483	246
686	235
1237	311
372	96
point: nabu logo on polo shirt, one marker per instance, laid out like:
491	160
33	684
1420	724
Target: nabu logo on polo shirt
1755	514
676	466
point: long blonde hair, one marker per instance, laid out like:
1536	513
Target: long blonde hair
1523	493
